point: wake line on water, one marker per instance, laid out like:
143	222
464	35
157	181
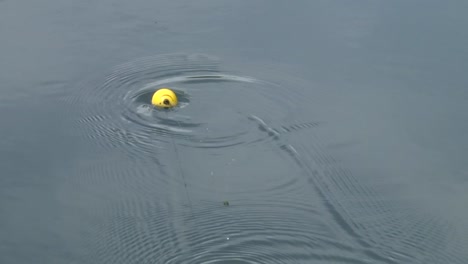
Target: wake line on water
381	245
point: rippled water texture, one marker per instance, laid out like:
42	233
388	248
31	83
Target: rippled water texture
225	177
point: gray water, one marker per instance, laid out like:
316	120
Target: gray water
307	132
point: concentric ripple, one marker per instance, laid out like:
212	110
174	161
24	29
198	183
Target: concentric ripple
213	116
213	112
231	140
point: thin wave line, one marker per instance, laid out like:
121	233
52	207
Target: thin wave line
181	172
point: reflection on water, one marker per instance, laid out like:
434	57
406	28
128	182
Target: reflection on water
157	192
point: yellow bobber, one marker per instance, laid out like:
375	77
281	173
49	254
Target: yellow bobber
164	98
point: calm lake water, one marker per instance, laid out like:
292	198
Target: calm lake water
307	132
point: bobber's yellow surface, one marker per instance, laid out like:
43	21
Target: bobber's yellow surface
164	98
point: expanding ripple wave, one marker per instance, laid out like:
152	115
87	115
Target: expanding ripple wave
160	178
213	112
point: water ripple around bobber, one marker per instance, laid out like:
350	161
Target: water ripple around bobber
232	139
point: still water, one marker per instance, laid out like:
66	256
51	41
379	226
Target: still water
307	132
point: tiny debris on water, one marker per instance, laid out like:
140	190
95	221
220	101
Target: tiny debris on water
226	203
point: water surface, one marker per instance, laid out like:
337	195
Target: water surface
324	132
